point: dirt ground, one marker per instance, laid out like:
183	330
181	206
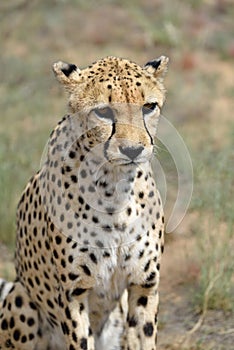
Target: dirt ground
177	316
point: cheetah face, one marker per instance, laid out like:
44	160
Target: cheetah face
126	131
118	105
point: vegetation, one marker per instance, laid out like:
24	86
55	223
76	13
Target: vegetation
198	38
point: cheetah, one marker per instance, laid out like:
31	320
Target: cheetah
90	223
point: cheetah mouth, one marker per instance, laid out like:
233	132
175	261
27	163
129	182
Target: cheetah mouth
128	162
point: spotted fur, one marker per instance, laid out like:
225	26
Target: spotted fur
90	222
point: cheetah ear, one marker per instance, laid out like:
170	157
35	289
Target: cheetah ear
67	74
158	67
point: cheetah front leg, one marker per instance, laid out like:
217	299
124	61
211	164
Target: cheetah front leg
75	325
141	328
19	322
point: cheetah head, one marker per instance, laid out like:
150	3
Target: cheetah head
118	105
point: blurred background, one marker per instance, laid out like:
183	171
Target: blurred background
197	281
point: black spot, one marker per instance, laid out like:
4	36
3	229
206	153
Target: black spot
132	322
18	301
72	276
106	255
67	206
9	344
95	219
63	278
16	335
22	318
74	337
72	154
23	339
86	270
81	200
68	168
83	174
142	301
63	263
99	244
83	344
84	250
70	259
35	231
141	253
30	282
141	195
148	329
58	239
69	239
74	178
78	291
151	276
74	324
139	174
4	325
69	225
66	185
36	278
93	258
12	323
65	328
91	189
47	287
50	304
129	211
55	253
68	314
30	322
146	268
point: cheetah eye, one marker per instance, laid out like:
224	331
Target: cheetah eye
105	113
149	108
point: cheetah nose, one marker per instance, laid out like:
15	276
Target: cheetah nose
131	152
